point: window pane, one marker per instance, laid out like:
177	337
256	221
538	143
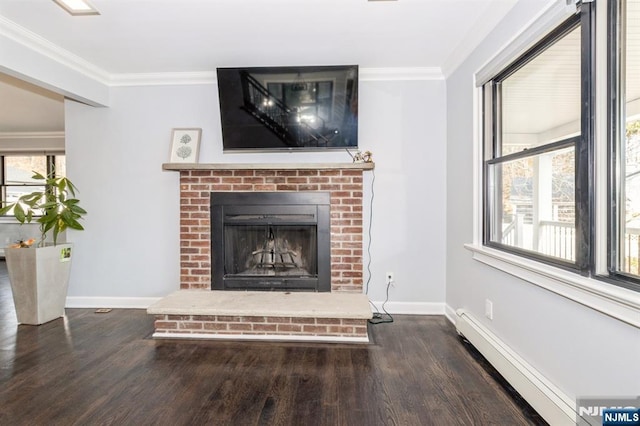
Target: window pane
630	191
15	192
540	102
61	165
534	203
18	170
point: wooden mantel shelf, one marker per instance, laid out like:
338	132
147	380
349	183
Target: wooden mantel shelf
266	166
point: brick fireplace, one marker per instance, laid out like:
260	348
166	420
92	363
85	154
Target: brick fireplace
197	312
344	183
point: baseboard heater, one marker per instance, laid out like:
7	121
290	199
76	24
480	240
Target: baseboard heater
552	404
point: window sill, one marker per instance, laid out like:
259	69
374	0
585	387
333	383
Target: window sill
616	302
9	220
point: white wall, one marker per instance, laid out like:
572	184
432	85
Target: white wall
114	155
130	247
581	351
403	123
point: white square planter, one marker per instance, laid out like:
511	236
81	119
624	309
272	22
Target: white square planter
39	281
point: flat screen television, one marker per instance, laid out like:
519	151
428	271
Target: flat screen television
289	108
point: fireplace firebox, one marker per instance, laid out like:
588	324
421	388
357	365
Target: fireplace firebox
270	241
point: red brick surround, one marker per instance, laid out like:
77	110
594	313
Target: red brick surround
344	184
260	326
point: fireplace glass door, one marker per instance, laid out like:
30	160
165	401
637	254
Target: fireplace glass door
271	251
270	241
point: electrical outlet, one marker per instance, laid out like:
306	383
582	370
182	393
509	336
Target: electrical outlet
390	278
488	309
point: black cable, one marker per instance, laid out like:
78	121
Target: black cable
378	318
373	174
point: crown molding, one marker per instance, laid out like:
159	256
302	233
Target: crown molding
162	79
50	50
209	77
32	135
205	77
401	74
30	143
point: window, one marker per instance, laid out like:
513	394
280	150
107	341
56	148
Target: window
534	141
18	169
545	191
624	148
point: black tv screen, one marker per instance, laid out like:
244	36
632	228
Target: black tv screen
289	108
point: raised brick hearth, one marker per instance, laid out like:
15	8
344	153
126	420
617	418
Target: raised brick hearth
344	182
258	326
273	315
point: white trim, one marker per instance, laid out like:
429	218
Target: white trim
450	313
32	142
206	77
477	167
550	17
398	308
411	308
50	50
269	337
185	78
547	399
111	302
32	135
162	79
401	74
608	299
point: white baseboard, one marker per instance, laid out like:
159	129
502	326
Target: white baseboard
111	302
450	313
551	403
411	308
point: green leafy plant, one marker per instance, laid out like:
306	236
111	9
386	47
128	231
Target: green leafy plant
55	208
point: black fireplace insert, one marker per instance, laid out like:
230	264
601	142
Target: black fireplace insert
270	241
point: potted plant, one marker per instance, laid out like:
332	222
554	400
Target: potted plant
39	272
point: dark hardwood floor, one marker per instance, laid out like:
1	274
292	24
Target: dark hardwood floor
104	369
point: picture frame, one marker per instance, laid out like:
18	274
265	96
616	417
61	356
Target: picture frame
185	145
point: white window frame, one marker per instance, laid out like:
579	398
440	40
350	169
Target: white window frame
617	302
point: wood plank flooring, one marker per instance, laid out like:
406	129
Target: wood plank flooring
104	369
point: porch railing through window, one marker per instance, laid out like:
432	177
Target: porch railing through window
512	233
554	238
631	261
557	239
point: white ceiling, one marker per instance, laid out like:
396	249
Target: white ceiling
150	36
169	36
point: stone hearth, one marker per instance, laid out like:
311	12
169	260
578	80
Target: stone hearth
194	314
216	316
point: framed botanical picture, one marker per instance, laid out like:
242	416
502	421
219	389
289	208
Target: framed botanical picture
185	145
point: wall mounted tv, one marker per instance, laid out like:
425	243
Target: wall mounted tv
289	108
